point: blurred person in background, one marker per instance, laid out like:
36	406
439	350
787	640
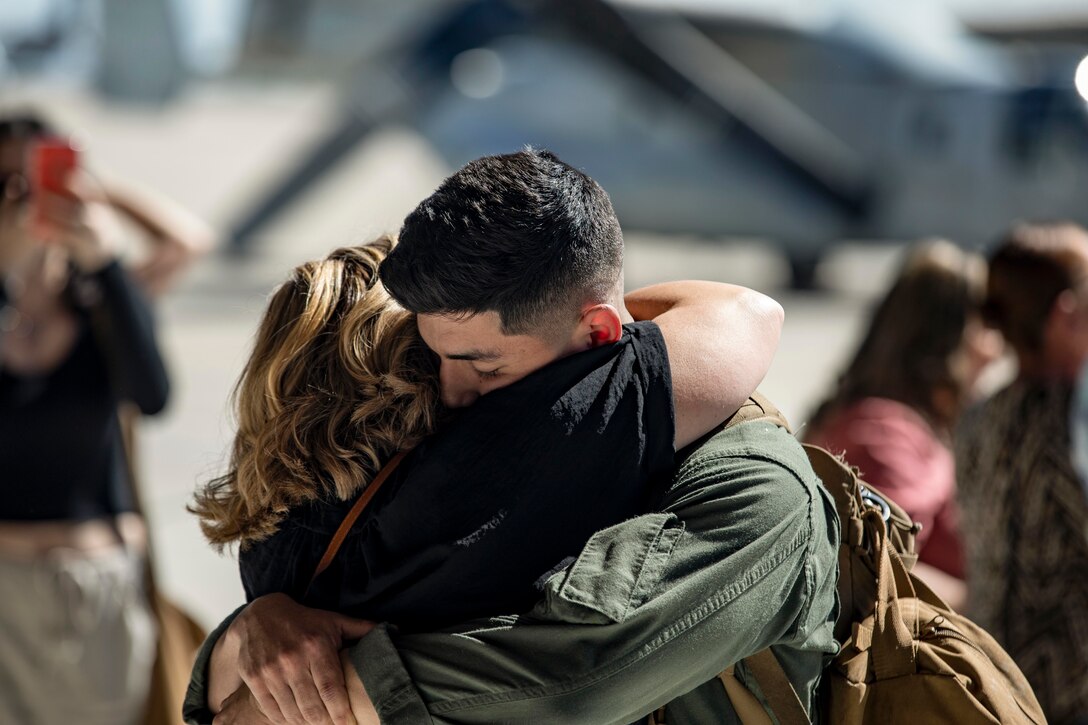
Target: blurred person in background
1025	513
894	409
76	341
172	237
1078	422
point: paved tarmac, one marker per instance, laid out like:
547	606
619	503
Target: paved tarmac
215	150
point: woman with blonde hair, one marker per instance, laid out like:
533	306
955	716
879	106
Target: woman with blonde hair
339	381
894	408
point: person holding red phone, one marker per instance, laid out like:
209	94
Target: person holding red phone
76	342
33	153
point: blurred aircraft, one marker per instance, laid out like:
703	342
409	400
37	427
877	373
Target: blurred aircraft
795	121
799	122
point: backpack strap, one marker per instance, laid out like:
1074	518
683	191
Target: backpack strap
748	708
776	687
353	515
757	407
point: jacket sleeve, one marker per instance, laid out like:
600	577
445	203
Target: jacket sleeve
651	609
195	709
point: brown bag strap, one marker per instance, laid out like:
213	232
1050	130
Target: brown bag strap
749	709
777	688
757	407
353	515
892	647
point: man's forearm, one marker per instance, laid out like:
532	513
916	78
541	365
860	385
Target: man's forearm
559	669
223	675
195	706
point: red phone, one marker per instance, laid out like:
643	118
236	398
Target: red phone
50	160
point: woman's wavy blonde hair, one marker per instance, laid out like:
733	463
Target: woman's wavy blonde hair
338	381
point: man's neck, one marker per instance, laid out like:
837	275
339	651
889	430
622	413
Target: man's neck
625	316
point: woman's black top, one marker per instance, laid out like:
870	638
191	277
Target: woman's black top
61	451
477	517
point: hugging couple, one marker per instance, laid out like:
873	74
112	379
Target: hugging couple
564	531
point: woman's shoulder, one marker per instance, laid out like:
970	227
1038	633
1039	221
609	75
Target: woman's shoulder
883	435
284	561
895	450
877	420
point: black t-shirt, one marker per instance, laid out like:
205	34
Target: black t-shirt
480	513
61	452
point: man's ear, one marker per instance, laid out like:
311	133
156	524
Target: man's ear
599	325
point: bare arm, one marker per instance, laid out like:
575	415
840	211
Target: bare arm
721	340
949	588
361	705
176	236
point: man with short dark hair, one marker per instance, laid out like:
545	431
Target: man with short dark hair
514	263
521	246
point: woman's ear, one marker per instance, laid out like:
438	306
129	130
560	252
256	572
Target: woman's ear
600	325
1063	314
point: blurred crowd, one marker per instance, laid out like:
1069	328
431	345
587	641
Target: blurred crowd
992	479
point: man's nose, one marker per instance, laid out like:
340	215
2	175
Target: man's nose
459	386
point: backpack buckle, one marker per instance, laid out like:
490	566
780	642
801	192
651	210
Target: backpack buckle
876	501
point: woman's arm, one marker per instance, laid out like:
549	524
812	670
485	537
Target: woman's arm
176	236
121	319
721	340
949	588
126	331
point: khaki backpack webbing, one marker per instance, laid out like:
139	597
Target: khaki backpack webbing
757	407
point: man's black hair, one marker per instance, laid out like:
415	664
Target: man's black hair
524	235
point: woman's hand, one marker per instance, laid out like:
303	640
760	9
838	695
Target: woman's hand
361	705
74	221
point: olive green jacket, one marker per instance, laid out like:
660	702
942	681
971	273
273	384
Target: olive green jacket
743	555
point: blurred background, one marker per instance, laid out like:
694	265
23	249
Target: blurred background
789	145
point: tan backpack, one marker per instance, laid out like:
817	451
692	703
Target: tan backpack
906	657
